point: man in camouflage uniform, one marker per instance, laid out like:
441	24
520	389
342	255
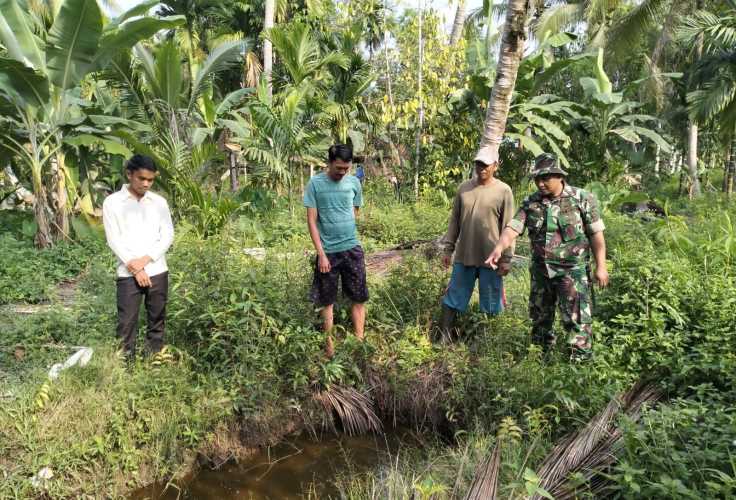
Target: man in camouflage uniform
564	225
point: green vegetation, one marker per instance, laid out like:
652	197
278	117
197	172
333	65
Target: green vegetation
251	351
635	97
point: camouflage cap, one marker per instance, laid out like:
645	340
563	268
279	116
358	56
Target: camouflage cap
546	164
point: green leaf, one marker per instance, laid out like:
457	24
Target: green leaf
109	121
130	33
139	10
109	145
23	85
654	137
18	38
527	142
223	57
590	86
627	133
604	84
231	99
73	41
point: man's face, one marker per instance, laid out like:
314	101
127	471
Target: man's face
140	180
484	171
549	184
338	169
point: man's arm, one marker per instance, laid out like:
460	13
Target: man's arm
113	236
507	213
322	262
453	230
166	238
598	244
508	236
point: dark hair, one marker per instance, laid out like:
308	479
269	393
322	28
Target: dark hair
138	162
342	152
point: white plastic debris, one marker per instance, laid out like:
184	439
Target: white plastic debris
41	477
258	253
81	358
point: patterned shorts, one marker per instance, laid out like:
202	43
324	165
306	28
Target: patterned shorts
348	266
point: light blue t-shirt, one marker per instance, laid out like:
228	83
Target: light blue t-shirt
334	202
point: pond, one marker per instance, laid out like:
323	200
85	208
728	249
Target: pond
294	469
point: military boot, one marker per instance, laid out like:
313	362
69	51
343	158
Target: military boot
447	324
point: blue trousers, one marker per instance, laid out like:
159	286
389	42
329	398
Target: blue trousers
462	283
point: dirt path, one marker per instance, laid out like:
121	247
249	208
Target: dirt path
63	295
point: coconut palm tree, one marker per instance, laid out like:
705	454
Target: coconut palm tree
509	58
715	97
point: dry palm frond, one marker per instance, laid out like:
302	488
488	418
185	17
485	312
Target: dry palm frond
353	408
593	448
485	482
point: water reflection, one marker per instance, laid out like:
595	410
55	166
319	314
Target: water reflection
290	470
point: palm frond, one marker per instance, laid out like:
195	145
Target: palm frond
591	450
485	481
353	408
223	57
559	18
710	100
628	30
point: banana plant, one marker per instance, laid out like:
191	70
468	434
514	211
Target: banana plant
38	75
610	119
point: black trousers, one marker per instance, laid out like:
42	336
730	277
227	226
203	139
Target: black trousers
129	303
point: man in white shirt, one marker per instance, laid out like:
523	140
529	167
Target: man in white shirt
139	232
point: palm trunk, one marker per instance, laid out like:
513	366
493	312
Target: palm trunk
509	57
692	158
418	139
692	131
457	26
731	171
267	46
395	157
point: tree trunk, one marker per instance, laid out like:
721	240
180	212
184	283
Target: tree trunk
41	211
418	139
457	26
692	130
728	183
267	46
395	157
61	215
233	171
692	158
509	57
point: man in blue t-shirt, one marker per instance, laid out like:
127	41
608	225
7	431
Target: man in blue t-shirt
333	199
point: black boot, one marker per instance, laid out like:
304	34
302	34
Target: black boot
447	324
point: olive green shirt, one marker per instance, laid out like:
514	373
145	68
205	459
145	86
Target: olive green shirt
479	213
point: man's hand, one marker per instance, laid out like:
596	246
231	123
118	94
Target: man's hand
323	263
503	268
141	277
493	259
138	264
601	276
446	258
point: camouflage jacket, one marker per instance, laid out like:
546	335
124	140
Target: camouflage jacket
559	229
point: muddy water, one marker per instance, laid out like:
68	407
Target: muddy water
294	469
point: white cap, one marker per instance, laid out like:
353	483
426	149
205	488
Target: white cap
487	155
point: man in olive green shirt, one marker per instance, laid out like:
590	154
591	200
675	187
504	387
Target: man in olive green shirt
481	209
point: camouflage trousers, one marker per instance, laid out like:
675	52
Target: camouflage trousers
572	294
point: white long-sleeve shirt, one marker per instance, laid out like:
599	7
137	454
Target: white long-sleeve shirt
136	228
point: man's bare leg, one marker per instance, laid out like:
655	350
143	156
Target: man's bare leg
327	324
358	315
